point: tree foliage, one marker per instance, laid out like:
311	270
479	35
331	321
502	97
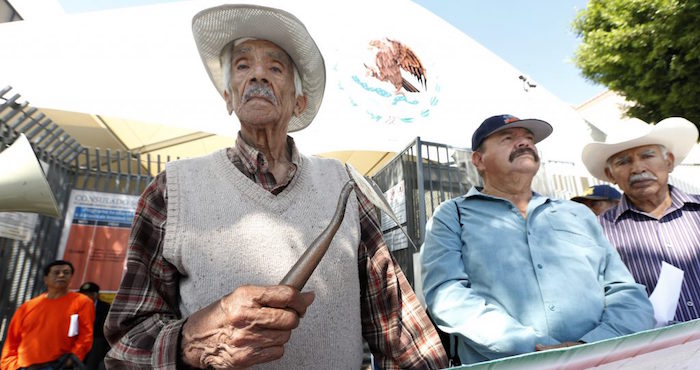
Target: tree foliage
645	50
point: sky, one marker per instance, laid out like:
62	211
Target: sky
534	36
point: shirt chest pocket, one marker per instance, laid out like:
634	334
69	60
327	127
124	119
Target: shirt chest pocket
569	228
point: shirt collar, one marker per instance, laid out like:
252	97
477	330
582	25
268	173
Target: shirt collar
475	191
254	161
678	199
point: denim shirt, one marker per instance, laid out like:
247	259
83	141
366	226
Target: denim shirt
503	283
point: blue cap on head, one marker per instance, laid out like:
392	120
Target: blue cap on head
599	192
540	129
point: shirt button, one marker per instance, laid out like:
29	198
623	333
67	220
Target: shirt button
551	307
690	304
539	266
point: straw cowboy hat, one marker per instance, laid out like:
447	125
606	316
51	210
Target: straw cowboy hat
216	27
677	134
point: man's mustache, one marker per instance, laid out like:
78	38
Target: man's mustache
520	151
258	90
642	177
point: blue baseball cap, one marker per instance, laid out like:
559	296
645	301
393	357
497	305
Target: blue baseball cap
599	192
540	129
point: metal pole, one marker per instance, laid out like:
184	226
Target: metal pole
421	190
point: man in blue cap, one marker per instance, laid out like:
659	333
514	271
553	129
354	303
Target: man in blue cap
599	198
509	271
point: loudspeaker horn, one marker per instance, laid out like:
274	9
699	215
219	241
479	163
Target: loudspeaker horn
23	185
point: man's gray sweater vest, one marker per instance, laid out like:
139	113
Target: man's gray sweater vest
224	231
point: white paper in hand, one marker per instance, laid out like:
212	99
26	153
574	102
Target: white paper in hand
665	296
73	329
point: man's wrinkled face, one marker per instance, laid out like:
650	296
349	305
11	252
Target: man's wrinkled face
59	277
262	84
640	172
507	151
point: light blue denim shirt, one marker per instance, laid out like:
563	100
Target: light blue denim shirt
503	283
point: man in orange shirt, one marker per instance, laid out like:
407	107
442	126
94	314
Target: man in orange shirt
52	330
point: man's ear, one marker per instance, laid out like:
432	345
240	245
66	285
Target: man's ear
670	161
229	102
300	105
609	175
477	160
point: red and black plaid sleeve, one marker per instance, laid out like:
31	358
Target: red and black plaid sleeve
144	322
394	324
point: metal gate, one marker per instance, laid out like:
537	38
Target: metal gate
69	166
430	173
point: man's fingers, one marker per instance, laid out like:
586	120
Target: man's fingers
269	307
282	296
226	356
258	338
542	347
252	322
269	318
300	306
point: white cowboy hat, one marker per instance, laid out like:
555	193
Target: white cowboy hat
216	27
677	134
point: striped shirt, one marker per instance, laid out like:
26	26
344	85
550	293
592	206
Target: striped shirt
144	322
644	242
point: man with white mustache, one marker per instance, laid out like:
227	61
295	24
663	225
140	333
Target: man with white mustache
654	221
213	235
509	271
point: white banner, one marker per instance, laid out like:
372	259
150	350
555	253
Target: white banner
18	225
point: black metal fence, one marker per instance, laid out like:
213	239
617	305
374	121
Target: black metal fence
416	181
70	166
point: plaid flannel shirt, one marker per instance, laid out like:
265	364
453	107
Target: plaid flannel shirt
144	322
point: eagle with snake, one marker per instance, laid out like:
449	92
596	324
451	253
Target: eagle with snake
392	57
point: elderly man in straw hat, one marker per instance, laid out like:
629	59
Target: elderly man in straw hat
210	244
654	222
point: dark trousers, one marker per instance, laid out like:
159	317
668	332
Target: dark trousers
59	364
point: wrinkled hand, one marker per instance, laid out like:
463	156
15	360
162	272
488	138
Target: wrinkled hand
247	327
542	347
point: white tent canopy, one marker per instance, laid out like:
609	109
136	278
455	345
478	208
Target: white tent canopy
141	64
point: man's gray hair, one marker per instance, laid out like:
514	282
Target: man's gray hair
225	61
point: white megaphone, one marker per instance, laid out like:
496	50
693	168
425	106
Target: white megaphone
23	185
